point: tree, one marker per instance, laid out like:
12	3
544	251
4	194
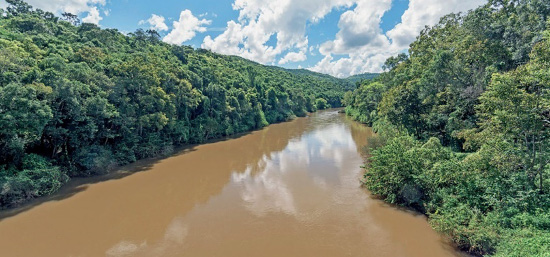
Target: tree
84	99
17	7
73	19
321	104
517	105
23	115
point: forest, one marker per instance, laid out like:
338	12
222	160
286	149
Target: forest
77	100
462	118
463	122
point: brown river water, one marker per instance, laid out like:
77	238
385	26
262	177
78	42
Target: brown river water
291	189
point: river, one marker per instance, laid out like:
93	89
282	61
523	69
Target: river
291	189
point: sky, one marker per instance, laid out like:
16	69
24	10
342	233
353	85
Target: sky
336	37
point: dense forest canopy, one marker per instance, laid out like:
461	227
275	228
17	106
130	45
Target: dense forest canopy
463	119
464	126
76	99
360	77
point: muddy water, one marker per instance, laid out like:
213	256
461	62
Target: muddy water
291	189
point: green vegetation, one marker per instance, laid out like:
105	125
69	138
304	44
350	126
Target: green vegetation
77	100
464	128
360	77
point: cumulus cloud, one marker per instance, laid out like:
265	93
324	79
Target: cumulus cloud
359	27
366	47
157	23
356	63
186	28
293	57
360	39
426	12
214	15
71	6
259	20
93	16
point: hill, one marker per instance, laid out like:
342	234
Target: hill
343	83
77	100
360	77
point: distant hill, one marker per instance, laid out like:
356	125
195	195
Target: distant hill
347	83
359	77
76	99
304	73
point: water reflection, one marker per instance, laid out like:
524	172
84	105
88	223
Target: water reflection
319	155
291	189
172	241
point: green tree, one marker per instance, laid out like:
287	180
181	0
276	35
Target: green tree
23	115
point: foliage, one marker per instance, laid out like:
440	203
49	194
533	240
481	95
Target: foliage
36	178
321	104
471	104
361	77
85	99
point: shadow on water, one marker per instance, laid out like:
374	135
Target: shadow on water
365	138
80	184
262	189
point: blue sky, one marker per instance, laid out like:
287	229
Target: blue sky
337	37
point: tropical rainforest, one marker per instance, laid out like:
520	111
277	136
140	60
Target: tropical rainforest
463	118
464	128
77	100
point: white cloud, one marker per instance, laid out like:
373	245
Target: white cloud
366	47
71	6
314	50
186	28
426	12
157	23
359	39
356	63
259	20
358	28
93	16
293	57
202	15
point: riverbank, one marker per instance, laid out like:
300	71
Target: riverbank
66	186
444	185
262	193
77	100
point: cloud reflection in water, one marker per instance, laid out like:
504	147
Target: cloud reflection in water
310	163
